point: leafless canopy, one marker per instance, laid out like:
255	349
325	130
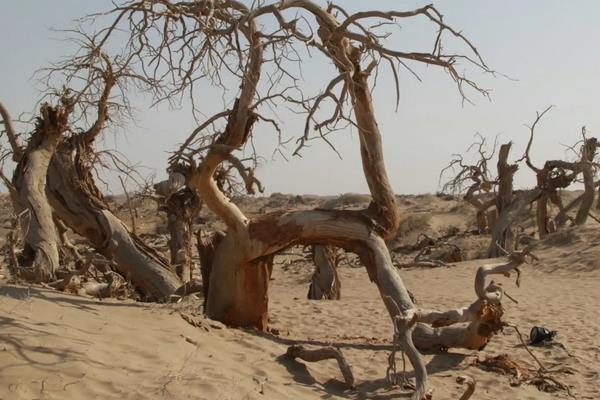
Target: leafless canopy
175	47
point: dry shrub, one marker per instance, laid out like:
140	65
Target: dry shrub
414	223
346	200
563	237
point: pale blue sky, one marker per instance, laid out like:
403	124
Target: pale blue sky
549	47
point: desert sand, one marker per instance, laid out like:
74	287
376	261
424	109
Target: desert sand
59	346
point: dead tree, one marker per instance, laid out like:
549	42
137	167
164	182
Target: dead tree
480	193
494	199
29	180
502	231
558	174
211	37
69	183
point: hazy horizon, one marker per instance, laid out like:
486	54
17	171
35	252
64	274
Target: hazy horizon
546	48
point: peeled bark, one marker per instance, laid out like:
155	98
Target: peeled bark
30	182
325	283
77	201
245	302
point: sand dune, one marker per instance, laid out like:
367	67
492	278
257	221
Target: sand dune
58	346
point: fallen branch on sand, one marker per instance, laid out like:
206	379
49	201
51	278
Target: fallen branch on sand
323	353
470	382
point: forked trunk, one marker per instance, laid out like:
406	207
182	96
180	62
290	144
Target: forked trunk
77	201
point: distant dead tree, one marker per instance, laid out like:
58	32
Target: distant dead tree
495	199
498	204
174	45
558	174
480	190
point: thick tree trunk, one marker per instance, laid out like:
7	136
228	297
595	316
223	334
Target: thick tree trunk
501	231
77	201
325	283
506	218
206	252
30	182
245	302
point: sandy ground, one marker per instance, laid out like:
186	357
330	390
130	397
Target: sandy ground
57	346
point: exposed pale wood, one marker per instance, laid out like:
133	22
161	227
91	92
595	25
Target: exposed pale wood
29	180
